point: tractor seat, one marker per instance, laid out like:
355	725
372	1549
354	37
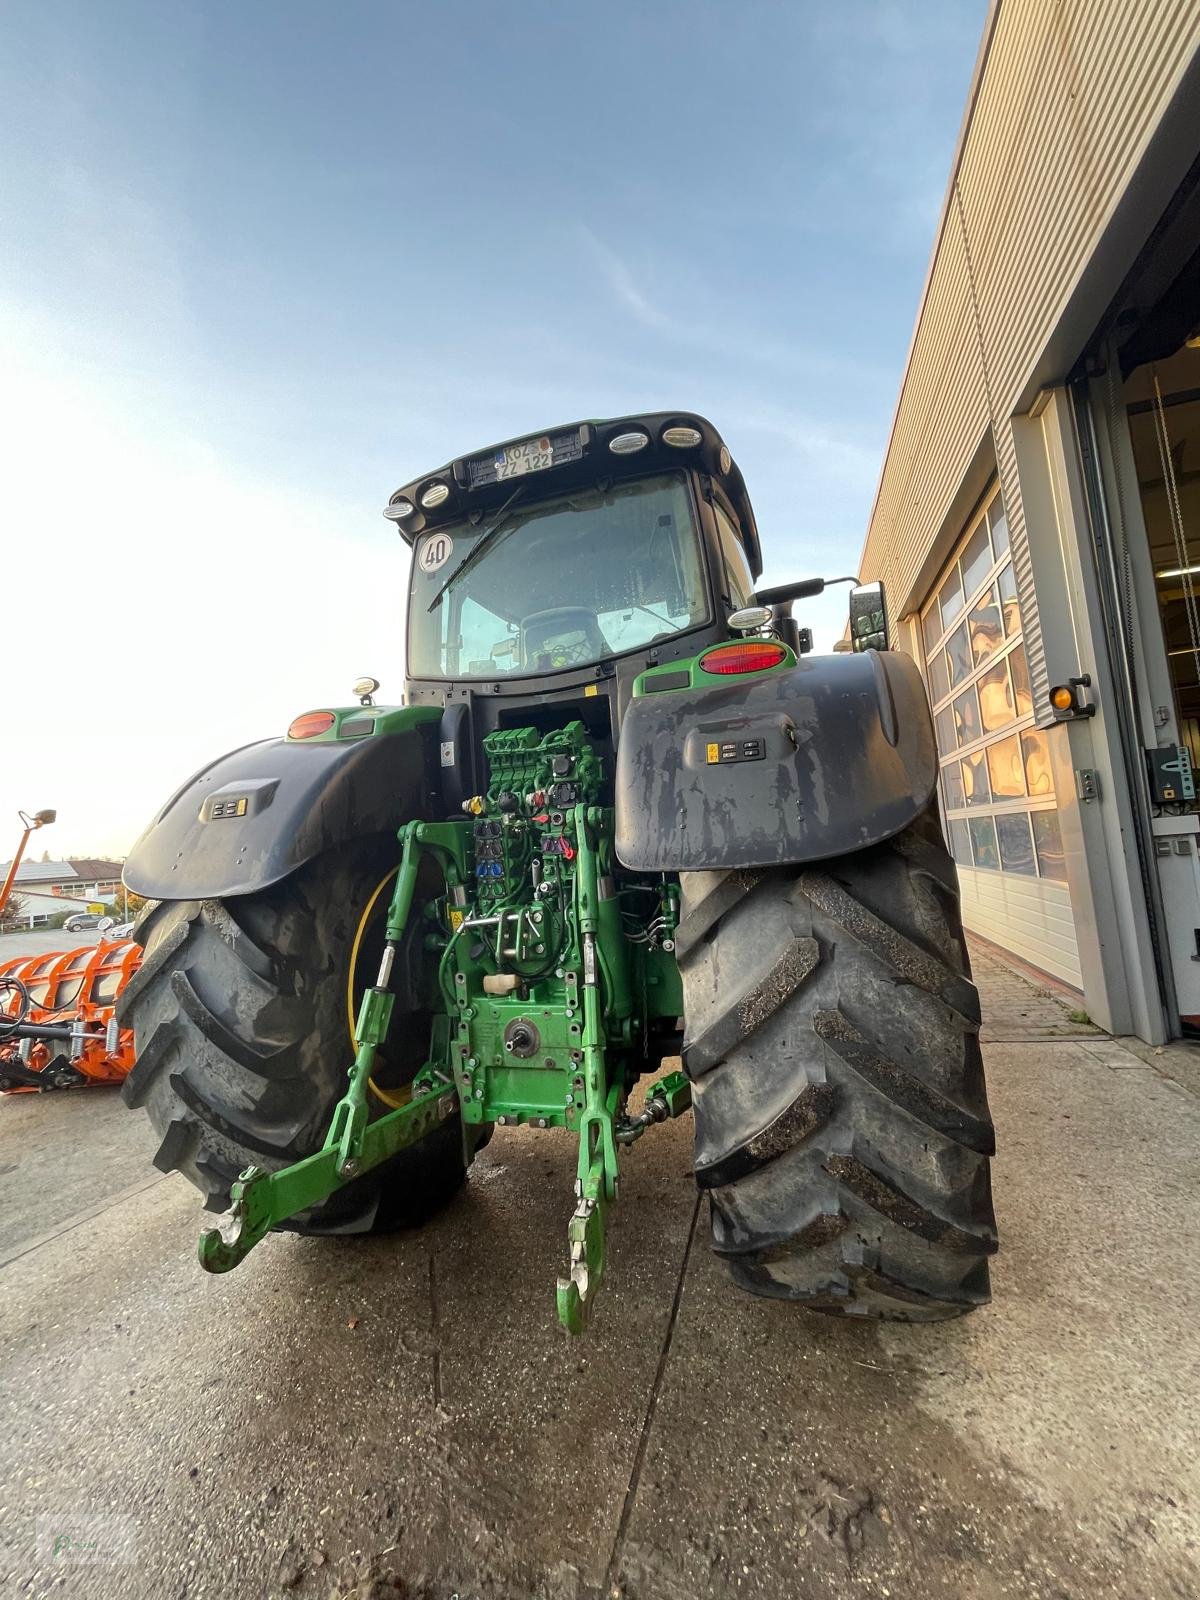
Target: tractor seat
565	636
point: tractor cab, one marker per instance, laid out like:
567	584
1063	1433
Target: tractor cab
558	577
550	573
581	556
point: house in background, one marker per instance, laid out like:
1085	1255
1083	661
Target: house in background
48	888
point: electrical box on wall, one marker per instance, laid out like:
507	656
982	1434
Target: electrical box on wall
1177	860
1170	773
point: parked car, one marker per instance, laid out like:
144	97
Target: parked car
119	930
79	921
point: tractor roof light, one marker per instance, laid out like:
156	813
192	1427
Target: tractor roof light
746	655
311	724
628	444
683	438
398	510
436	495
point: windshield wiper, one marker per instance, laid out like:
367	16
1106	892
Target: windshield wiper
481	544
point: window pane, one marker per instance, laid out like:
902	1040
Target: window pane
976	560
1016	847
985	627
944	723
958	654
1009	603
966	717
480	636
1020	678
960	843
1037	762
995	697
737	571
1048	839
975	779
950	600
952	787
999	524
1006	769
649	584
983	842
939	683
932	627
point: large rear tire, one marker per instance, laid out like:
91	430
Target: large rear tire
842	1124
241	1012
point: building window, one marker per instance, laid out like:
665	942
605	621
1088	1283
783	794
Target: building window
997	790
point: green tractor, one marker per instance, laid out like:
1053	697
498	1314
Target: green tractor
622	815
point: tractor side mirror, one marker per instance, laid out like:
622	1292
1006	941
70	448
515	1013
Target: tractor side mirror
868	618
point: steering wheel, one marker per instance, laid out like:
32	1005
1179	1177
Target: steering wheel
570	634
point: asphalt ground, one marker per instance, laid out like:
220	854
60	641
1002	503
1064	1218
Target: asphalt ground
401	1417
40	941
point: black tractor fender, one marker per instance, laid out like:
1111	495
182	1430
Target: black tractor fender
819	759
250	818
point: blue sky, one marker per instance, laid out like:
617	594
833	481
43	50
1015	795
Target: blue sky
262	263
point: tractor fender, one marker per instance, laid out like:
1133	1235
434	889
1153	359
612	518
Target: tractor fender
250	818
818	759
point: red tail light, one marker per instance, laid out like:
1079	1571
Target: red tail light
311	724
747	655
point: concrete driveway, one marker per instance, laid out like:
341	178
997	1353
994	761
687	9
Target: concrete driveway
402	1418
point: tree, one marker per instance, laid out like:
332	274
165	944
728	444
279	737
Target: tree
15	912
131	904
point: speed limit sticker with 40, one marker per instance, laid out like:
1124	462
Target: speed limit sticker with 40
435	552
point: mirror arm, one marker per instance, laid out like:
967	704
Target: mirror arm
801	589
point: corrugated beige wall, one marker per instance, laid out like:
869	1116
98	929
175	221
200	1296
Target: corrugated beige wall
1069	94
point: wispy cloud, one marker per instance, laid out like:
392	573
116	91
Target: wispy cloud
841	453
709	323
621	281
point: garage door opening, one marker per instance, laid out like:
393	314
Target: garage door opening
1140	392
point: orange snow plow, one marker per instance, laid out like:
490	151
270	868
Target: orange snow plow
57	1027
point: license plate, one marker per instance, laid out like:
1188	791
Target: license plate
531	455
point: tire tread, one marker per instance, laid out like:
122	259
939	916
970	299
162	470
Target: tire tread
844	1138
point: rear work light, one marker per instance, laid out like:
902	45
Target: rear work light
311	724
628	444
747	655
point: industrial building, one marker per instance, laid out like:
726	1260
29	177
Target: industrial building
1037	519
